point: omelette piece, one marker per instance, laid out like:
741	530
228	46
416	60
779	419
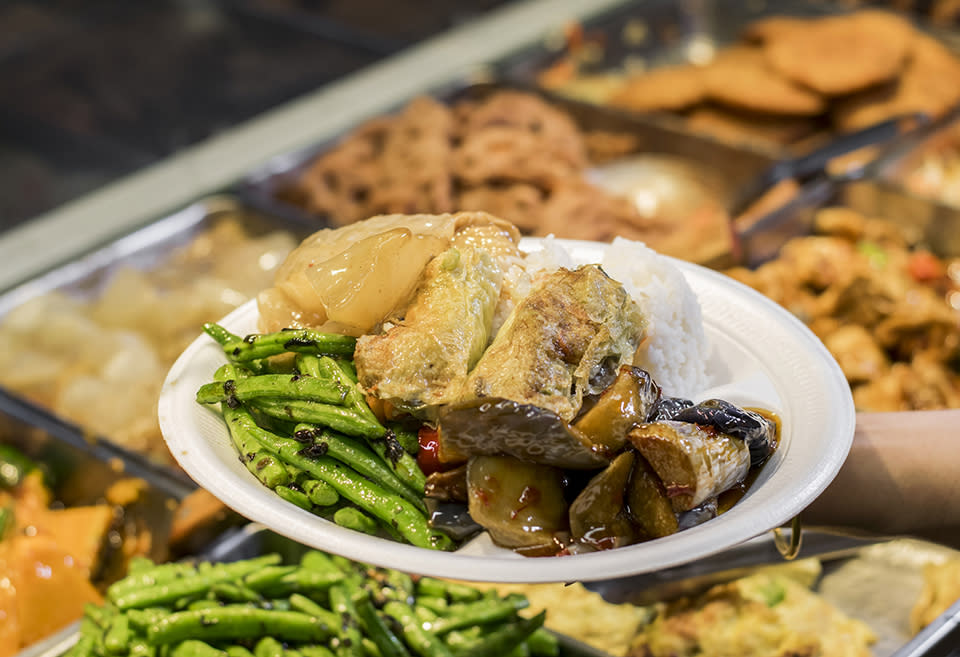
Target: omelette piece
568	337
762	615
422	359
941	588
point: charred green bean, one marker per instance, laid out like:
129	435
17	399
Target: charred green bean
258	346
277	386
238	622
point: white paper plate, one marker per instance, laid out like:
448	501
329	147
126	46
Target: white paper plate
760	356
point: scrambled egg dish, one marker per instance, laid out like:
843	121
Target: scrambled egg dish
767	614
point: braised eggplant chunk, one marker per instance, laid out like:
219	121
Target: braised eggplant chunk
626	403
647	502
667	408
422	359
694	462
598	515
757	431
501	426
558	342
522	505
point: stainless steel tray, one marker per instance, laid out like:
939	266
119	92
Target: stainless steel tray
85	279
262	188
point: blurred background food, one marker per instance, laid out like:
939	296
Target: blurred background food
93	91
889	313
97	354
780	84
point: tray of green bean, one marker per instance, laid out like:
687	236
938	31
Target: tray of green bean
311	605
301	425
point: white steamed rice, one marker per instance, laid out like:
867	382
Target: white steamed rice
677	351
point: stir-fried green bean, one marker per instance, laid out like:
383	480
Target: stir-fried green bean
256	347
297	432
321	606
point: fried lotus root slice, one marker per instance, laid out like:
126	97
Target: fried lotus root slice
598	515
521	505
628	401
491	426
759	433
693	462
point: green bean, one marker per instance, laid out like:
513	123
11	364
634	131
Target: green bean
280	386
424	614
456	592
140	648
475	613
168	592
378	631
99	616
150	577
238	622
264	345
302	603
319	561
359	458
369	648
436	605
139	564
315	651
294	496
520	650
370	496
261	464
309	580
407	438
543	643
505	638
84	647
267	577
220	334
202	604
235	592
342	604
354	397
355	519
141	619
341	419
194	648
268	647
387	446
320	492
460	640
238	651
422	642
348	367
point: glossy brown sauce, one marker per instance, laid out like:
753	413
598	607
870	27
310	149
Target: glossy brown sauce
733	495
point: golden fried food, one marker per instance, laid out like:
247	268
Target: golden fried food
393	165
840	72
509	153
930	83
670	88
763	615
880	307
740	77
749	128
772	28
842	54
941	588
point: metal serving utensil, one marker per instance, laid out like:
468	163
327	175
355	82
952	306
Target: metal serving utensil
695	577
